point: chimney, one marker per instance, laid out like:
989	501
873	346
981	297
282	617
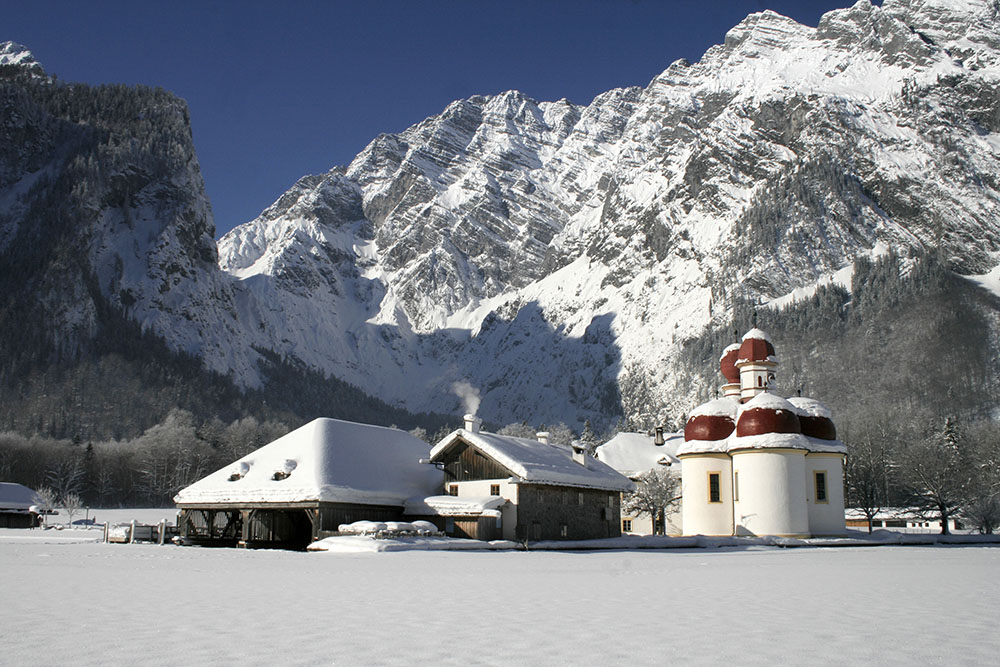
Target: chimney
658	440
473	423
579	452
543	437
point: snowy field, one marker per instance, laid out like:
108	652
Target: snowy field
69	601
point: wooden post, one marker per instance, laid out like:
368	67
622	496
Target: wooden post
163	529
131	532
105	532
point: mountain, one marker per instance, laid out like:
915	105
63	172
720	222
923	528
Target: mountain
114	309
559	257
539	261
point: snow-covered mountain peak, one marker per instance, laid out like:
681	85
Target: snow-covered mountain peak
12	53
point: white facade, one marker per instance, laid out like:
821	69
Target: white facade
826	515
772	492
706	509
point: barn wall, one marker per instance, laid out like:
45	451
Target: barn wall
17	520
543	510
334	514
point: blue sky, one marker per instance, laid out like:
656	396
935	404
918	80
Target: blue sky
278	90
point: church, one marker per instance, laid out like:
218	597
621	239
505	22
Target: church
757	464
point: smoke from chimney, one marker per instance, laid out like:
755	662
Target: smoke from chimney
468	394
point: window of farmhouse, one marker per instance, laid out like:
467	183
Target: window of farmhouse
821	487
453	489
627	525
563	530
494	489
714	487
579	498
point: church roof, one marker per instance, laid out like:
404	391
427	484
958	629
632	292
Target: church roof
325	460
537	462
756	346
633	454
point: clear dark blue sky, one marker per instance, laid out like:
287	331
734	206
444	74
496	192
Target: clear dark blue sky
282	89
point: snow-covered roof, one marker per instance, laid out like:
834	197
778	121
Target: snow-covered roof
768	441
15	496
720	407
756	334
532	461
809	407
325	460
454	506
633	454
765	401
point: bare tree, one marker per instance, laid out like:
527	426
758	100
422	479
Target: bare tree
939	473
983	514
71	503
867	472
65	476
45	500
657	491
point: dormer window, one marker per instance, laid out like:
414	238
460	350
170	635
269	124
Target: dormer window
239	471
284	471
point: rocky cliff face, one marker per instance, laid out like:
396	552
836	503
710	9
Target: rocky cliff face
102	206
556	256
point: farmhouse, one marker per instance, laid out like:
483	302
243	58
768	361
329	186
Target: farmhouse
305	484
635	454
757	464
17	506
549	491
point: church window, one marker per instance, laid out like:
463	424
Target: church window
714	487
820	484
736	486
760	381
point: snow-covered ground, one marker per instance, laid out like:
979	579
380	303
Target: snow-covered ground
72	602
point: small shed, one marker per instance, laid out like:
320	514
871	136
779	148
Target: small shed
302	486
17	506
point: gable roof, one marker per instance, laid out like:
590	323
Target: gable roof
537	462
15	496
633	454
325	460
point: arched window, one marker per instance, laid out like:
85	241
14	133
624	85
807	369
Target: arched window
760	381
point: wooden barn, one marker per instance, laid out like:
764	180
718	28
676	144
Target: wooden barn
542	491
17	506
302	486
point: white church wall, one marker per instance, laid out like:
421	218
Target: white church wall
772	493
826	518
699	515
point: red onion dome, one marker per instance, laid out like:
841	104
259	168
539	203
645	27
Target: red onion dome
814	418
767	413
756	347
712	421
727	364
